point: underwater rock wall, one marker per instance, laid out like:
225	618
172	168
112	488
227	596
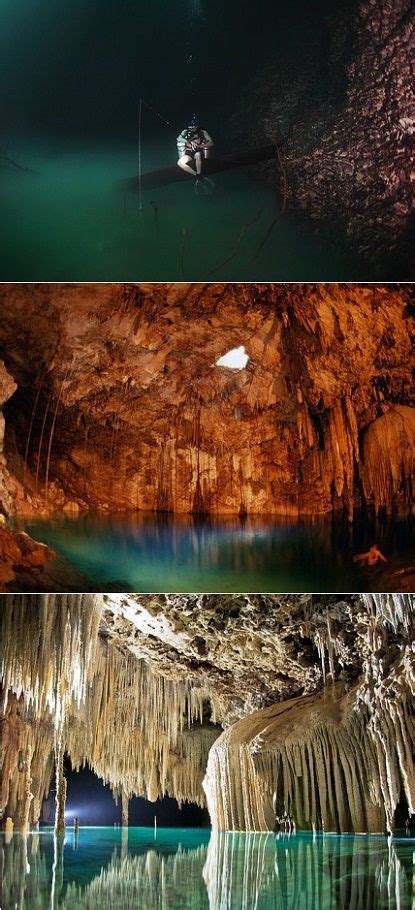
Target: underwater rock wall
344	119
121	405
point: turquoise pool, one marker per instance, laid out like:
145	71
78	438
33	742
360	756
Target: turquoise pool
194	869
145	552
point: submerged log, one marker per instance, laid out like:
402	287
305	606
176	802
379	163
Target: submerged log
212	165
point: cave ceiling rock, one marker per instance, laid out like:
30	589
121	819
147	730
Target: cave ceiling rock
137	415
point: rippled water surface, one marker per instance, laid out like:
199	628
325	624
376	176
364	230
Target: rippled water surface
192	869
149	553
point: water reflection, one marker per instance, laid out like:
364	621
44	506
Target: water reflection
113	870
146	552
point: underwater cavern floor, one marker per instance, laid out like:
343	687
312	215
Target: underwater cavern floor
116	869
146	552
70	218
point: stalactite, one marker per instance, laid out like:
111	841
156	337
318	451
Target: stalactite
337	761
341	452
131	725
53	425
133	730
337	757
307	759
389	458
323	361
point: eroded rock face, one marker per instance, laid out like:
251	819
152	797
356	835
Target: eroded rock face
19	552
7	387
345	120
121	405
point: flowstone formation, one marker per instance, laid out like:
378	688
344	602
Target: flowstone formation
121	404
276	710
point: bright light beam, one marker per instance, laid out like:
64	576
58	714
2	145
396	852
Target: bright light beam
236	359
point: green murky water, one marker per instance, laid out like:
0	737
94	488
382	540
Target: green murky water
145	552
192	869
73	220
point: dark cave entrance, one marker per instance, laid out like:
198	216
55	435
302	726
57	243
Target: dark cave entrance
92	802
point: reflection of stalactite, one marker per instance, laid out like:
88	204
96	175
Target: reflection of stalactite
147	882
233	870
281	874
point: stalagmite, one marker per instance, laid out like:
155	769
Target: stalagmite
124	809
60	801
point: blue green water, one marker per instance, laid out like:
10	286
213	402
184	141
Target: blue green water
144	552
192	869
71	220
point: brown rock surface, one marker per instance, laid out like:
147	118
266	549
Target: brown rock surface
120	404
345	121
18	552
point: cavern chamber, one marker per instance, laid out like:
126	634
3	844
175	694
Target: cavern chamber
276	711
127	426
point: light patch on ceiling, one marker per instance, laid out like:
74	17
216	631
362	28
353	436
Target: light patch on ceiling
236	359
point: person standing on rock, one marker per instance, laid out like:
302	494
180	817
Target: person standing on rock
193	145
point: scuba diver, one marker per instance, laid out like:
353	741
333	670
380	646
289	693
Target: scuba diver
193	146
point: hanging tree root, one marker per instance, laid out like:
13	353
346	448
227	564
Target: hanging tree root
182	251
282	210
8	163
234	252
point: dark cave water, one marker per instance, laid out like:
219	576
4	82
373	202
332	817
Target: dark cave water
75	72
72	220
192	869
146	552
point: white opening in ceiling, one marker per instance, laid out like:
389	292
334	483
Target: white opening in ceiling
236	359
